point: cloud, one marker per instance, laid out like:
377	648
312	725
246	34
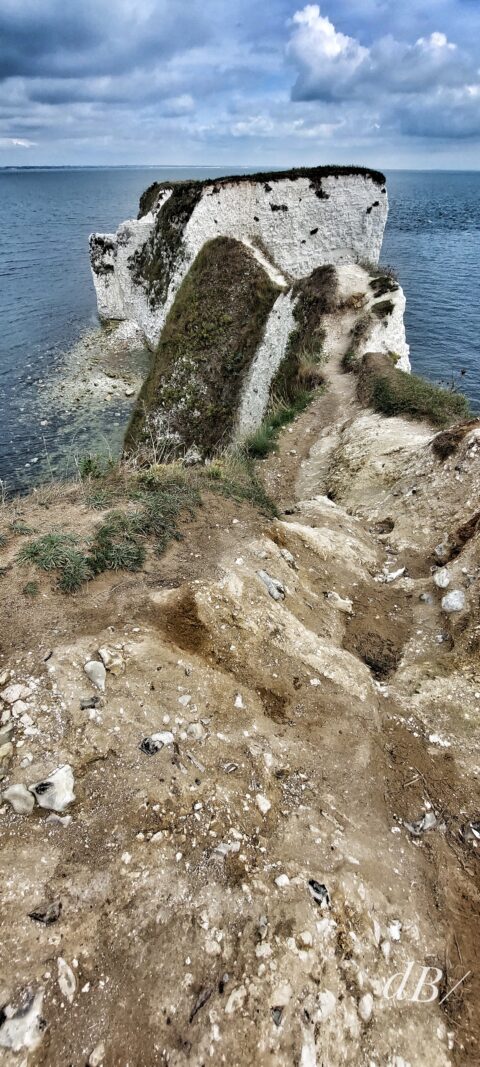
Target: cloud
428	84
15	142
202	81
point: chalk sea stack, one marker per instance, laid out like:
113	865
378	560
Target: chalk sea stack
228	280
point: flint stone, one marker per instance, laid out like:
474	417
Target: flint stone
97	673
21	799
22	1028
56	791
453	601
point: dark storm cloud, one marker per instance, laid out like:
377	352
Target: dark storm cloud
53	37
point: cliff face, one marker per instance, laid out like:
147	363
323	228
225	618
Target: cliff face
222	279
299	220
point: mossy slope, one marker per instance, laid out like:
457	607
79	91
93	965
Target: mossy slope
393	392
209	340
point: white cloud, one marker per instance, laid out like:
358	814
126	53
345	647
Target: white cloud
16	142
399	85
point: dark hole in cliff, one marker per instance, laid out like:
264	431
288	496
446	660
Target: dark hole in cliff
314	231
463	535
279	207
378	652
275	705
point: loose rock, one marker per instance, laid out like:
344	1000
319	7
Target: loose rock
453	601
21	799
47	913
319	893
97	673
66	979
441	578
274	586
151	745
56	791
112	660
22	1028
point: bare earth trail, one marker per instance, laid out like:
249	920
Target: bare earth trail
243	895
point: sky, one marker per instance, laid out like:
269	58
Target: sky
385	83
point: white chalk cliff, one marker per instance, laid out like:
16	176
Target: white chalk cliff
292	223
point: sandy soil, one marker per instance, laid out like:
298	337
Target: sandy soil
307	732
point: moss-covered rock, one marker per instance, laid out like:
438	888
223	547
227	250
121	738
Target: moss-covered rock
209	340
393	392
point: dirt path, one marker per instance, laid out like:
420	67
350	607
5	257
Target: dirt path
244	894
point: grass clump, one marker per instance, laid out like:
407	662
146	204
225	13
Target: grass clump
94	465
120	541
31	589
394	392
383	284
49	552
358	335
234	476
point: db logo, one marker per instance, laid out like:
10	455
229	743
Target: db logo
419	985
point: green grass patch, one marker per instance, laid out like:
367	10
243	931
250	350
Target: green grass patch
31	589
234	476
358	335
120	541
394	392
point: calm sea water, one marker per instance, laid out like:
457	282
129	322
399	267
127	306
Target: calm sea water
47	300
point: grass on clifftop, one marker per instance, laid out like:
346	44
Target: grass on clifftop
148	505
394	392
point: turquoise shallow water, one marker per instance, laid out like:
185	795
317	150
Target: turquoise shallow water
47	300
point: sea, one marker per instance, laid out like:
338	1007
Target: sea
48	307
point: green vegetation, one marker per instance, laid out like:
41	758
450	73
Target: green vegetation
382	309
207	345
233	475
263	440
383	284
154	264
393	392
358	334
94	465
119	542
31	589
300	368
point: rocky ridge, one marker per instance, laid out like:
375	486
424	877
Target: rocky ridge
272	738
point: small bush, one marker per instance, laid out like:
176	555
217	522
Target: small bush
394	392
382	309
383	284
94	465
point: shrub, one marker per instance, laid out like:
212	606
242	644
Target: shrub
382	309
94	465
